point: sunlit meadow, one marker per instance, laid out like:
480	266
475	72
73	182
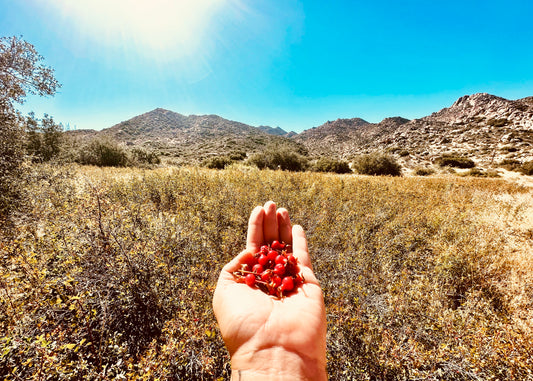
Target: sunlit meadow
108	274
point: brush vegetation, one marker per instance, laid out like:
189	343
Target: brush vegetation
108	273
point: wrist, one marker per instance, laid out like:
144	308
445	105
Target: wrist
276	364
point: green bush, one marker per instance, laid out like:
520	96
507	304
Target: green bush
455	161
217	162
238	155
377	164
326	164
281	158
140	156
510	164
424	171
103	153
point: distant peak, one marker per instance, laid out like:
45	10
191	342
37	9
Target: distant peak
476	99
395	119
158	110
351	121
162	111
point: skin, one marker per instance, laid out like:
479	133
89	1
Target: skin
270	338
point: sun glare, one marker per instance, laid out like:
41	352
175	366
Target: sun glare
175	28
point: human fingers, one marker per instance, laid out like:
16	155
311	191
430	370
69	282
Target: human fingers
284	225
270	222
255	237
299	246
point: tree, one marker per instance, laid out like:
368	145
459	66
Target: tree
43	138
21	73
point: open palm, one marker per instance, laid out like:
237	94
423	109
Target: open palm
265	334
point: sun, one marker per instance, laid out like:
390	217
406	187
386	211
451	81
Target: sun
170	27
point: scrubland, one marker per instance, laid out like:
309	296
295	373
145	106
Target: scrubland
109	273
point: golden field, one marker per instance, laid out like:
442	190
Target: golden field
108	274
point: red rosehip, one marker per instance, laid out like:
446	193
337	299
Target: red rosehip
280	259
257	268
276	245
266	275
272	254
287	284
263	260
249	279
276	280
292	259
279	269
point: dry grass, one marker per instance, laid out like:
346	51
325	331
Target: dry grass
109	273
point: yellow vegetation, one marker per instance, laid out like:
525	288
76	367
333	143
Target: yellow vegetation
109	273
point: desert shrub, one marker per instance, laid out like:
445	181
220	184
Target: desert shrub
142	157
510	149
455	161
509	162
103	153
424	171
516	165
527	168
491	173
326	164
238	155
377	164
478	172
217	162
279	158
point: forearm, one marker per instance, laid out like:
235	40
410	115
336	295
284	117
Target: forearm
277	364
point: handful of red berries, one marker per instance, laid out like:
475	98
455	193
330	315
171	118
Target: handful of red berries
273	269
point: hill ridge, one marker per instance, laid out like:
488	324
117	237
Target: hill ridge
482	126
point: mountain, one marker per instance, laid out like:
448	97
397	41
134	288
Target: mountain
484	127
276	131
193	137
343	137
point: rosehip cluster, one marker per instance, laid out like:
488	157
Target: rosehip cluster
273	269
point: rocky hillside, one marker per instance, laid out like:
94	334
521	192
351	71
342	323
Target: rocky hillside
484	127
345	137
193	137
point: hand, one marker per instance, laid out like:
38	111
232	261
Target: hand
270	338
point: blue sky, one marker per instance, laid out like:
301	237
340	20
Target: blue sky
293	64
